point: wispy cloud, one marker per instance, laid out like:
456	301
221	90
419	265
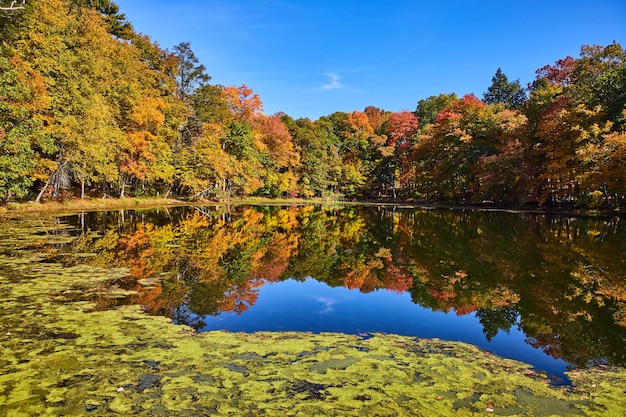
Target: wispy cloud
328	304
333	82
334	77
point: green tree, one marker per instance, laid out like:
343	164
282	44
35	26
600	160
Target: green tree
320	165
506	175
428	108
239	142
18	133
204	168
599	79
15	5
358	147
191	75
211	106
511	94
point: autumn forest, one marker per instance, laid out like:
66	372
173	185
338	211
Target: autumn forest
90	107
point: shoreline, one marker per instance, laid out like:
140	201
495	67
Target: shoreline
19	209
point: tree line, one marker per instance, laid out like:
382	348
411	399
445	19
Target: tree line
90	107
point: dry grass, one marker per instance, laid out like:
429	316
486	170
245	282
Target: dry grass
85	204
93	204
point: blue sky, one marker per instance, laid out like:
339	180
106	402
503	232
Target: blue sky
312	58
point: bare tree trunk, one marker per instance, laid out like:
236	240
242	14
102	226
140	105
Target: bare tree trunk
54	180
43	190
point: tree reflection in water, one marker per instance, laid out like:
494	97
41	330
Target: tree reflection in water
559	279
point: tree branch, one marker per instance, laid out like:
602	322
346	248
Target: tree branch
13	6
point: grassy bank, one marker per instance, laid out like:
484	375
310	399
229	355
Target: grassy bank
85	204
92	204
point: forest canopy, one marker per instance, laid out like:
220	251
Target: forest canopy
90	107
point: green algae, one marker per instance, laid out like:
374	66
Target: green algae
60	357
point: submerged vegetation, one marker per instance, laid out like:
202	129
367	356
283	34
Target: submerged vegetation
70	347
90	107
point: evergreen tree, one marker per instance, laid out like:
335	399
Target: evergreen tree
190	75
190	78
511	94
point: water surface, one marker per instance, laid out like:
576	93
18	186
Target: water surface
547	290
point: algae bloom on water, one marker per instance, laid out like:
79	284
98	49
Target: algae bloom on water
62	357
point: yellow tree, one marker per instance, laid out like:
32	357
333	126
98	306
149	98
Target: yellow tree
603	174
41	42
108	99
281	159
507	175
148	113
144	149
564	131
205	169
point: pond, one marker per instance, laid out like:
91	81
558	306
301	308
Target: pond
548	290
356	310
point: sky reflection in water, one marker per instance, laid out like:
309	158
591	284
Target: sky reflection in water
312	306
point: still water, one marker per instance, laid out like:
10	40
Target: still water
544	289
311	306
